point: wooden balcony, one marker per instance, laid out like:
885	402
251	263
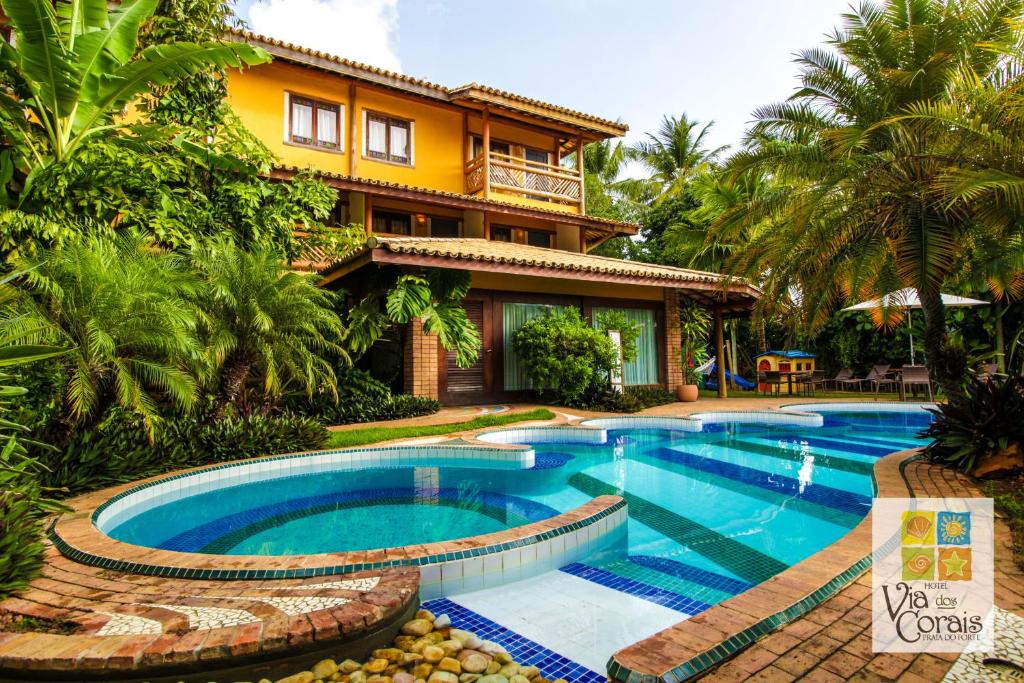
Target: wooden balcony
497	173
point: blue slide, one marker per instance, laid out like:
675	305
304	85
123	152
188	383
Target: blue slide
712	380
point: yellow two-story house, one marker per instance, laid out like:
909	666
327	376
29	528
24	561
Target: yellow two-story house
468	178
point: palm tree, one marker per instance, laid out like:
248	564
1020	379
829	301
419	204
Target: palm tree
265	325
122	308
77	67
673	156
860	216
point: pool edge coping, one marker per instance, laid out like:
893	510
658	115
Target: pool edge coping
745	618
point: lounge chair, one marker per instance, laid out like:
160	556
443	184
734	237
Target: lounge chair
841	376
848	382
808	382
878	377
916	376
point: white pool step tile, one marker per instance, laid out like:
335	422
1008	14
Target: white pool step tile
576	618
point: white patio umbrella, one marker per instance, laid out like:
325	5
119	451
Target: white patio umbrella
908	300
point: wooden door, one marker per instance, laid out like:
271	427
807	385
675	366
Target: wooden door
472	384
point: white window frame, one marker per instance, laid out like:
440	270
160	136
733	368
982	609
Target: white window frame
412	139
287	132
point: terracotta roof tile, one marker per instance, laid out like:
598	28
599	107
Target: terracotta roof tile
476	249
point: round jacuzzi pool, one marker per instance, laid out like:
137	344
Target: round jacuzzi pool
337	502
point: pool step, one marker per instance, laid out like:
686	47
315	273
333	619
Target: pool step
640	589
740	559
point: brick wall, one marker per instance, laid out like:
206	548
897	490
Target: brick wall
673	341
421	368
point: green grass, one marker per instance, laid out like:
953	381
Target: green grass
360	437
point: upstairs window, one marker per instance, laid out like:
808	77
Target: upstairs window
539	238
390	223
388	139
444	227
501	234
314	123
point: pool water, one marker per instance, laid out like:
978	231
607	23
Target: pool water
710	513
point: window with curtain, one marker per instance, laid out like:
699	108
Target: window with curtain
388	138
514	316
391	223
643	370
315	123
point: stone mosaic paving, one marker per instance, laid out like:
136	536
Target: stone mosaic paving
1009	648
128	621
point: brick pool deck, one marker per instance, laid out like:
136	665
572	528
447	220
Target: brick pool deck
194	623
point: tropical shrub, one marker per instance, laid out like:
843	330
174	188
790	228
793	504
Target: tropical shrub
77	67
122	307
267	328
24	502
361	398
969	432
120	449
566	359
694	326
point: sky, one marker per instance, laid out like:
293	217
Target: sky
636	60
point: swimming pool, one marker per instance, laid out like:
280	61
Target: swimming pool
711	512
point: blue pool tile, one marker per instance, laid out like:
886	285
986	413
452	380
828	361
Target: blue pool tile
550	461
525	651
688	572
645	591
224	533
827	496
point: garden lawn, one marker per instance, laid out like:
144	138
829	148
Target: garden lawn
359	437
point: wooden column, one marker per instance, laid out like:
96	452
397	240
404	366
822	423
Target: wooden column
368	217
487	152
353	130
579	169
723	391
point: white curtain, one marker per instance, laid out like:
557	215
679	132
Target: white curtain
302	120
399	142
376	140
327	126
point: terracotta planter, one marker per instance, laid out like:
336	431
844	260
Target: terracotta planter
687	393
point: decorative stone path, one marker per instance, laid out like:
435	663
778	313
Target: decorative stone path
132	622
833	641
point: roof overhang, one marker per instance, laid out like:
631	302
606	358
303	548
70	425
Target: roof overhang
709	289
597	229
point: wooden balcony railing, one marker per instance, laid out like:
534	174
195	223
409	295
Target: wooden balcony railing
496	172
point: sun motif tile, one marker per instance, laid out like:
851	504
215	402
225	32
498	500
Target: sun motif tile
200	618
129	625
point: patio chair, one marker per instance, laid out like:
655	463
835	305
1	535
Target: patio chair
847	382
878	378
817	379
804	382
916	376
841	376
770	378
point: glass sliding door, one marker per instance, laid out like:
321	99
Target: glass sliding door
643	370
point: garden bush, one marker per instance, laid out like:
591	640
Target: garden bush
983	432
651	395
566	359
119	448
361	398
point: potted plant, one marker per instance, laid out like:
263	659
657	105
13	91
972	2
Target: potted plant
694	325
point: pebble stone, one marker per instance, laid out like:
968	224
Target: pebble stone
428	650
